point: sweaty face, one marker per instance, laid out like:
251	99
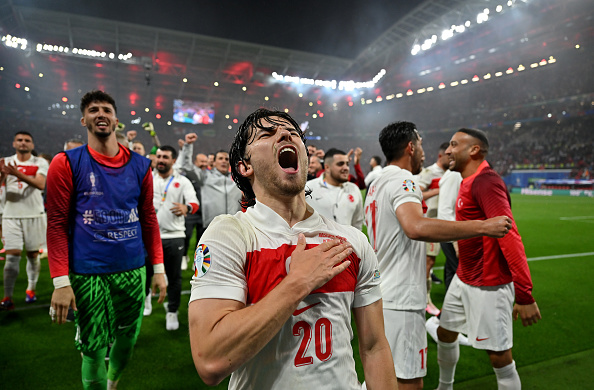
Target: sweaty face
221	162
278	157
100	119
338	168
23	143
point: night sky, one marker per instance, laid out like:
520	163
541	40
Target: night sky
341	28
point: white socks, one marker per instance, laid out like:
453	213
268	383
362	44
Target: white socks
33	267
507	377
447	357
11	272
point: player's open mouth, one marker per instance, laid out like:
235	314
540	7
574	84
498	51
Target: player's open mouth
287	159
102	124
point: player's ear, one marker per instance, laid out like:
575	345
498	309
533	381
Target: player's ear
82	121
245	169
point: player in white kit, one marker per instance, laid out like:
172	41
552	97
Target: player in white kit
396	227
23	220
274	287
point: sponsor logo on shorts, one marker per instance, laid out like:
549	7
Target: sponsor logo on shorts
201	260
408	185
477	339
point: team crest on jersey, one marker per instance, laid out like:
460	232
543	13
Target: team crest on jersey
408	185
201	260
351	198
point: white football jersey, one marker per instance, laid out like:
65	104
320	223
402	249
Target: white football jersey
402	261
429	178
175	188
23	200
244	256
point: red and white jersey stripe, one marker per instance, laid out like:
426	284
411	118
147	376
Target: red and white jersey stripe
244	256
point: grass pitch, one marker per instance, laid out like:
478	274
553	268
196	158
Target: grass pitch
554	354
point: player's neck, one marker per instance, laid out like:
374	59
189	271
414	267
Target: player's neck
166	174
23	156
106	146
330	180
292	209
471	168
403	163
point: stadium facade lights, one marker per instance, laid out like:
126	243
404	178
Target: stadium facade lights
454	84
266	98
487	76
498	74
398	95
346	85
409	92
378	99
521	68
390	97
14	42
441	86
465	81
216	84
509	70
168	123
421	90
448	33
543	62
368	101
534	65
552	60
475	78
430	89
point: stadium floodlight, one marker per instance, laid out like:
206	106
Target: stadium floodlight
446	34
499	8
398	95
498	74
481	18
415	50
429	89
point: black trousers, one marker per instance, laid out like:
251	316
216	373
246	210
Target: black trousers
173	251
451	263
193	221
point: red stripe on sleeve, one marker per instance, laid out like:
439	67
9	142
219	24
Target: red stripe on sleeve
57	203
491	194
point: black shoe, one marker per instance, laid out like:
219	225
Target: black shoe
435	279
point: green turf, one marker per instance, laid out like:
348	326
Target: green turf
553	354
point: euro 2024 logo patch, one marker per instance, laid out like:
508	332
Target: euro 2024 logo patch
408	185
201	260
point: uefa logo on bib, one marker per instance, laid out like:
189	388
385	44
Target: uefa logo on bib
201	260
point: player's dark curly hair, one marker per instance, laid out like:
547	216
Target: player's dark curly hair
245	136
96	96
394	138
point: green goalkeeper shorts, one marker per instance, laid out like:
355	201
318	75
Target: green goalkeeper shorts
108	306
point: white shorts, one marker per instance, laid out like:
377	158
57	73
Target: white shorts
483	313
432	248
29	232
405	331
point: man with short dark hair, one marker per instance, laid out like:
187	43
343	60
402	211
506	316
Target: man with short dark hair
274	287
219	195
333	195
100	216
23	219
376	169
314	167
491	272
396	228
174	198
